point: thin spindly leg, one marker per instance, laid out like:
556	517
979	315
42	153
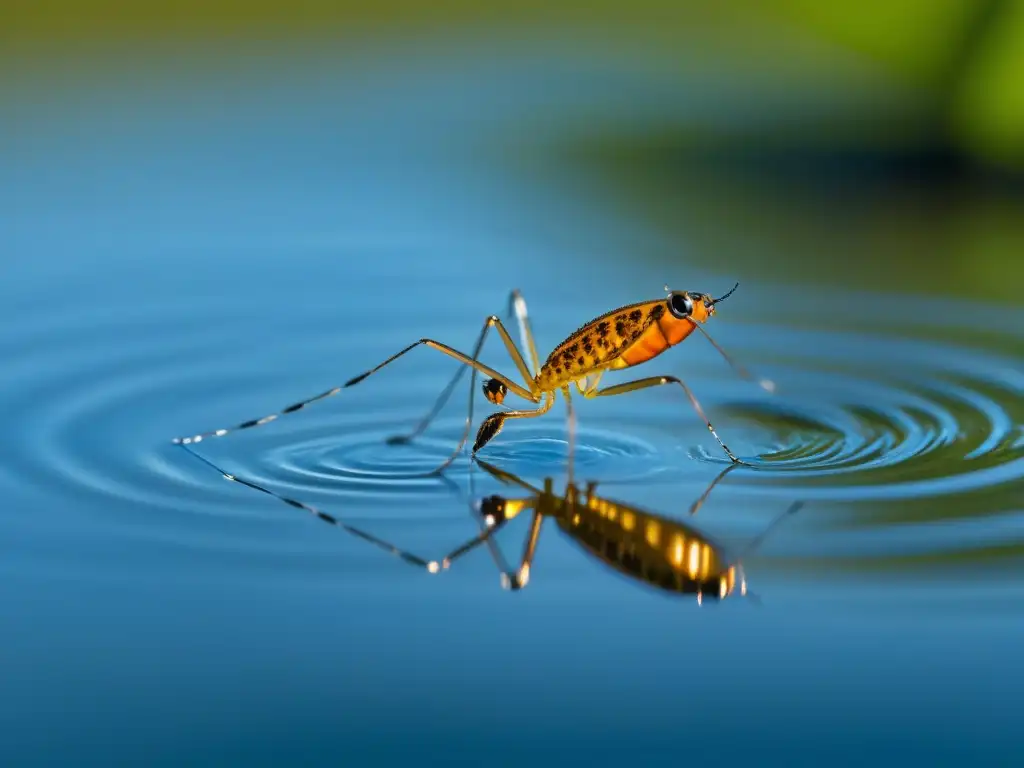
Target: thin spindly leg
589	383
759	539
756	542
517	307
571	430
494	511
432	566
695	507
517	579
446	393
504	476
498	510
543	503
485	535
766	384
522	576
461	357
547	504
256	422
492	425
657	381
587	388
532	394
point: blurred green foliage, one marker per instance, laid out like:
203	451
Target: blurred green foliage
968	53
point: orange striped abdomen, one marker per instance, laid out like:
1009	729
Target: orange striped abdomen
600	343
666	331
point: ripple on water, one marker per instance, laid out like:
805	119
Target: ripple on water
921	419
918	419
361	460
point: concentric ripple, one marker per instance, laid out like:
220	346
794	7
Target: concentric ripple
363	461
93	398
193	298
918	419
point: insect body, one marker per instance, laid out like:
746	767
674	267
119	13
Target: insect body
623	338
651	549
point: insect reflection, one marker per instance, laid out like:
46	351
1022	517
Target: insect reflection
655	550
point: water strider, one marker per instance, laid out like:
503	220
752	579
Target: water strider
622	338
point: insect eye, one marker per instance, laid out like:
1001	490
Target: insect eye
681	305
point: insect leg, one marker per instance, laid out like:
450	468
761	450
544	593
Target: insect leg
766	384
571	430
482	512
526	394
530	394
522	576
517	308
546	504
255	422
432	566
656	381
695	507
518	578
498	510
590	382
756	542
446	393
793	508
503	476
492	425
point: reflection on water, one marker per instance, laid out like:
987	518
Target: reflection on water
179	260
652	549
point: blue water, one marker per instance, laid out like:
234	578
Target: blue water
189	255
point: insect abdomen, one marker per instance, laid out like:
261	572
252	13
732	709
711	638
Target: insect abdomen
666	331
598	343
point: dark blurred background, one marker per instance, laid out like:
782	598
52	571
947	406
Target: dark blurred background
864	136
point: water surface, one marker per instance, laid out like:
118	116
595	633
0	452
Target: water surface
179	261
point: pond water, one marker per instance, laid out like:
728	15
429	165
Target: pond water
191	254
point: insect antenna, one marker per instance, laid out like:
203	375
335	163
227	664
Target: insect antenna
766	384
727	295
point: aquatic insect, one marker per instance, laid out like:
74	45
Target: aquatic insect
622	338
654	550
